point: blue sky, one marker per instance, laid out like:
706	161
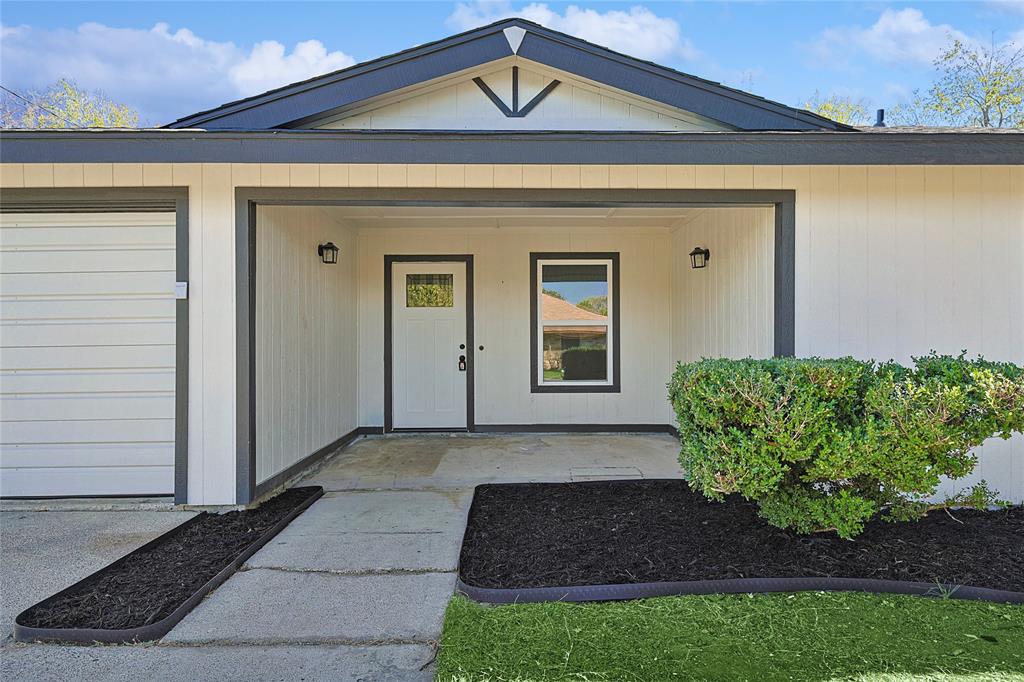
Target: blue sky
171	59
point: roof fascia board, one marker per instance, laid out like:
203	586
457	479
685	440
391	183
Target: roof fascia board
666	86
326	96
314	146
417	90
322	97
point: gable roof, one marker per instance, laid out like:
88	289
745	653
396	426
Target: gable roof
555	308
293	105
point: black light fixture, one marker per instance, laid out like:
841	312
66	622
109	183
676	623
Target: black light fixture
699	257
328	253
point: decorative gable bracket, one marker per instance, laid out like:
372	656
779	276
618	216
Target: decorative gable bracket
515	111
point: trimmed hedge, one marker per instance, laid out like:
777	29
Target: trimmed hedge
828	444
583	364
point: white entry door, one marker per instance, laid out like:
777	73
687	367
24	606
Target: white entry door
429	345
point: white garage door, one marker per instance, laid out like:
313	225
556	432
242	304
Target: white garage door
86	354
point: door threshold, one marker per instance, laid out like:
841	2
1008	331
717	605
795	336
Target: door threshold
462	429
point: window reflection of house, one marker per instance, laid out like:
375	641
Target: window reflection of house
560	339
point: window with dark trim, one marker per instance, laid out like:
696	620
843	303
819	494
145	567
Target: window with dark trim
574	322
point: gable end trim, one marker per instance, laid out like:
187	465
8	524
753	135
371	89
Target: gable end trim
318	98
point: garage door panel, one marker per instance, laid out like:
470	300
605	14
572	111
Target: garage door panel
112	333
23	260
86	481
85	406
87	354
87	357
88	431
131	308
98	381
67	221
87	236
87	283
63	455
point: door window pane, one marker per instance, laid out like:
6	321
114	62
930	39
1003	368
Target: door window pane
429	291
575	353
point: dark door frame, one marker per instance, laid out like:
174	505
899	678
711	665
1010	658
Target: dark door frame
390	260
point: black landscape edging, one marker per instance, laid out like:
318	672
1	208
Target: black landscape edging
24	633
587	593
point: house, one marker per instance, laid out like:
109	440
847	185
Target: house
207	308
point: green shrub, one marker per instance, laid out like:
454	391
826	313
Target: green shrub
584	363
828	444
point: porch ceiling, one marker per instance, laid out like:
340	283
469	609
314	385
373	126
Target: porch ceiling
383	217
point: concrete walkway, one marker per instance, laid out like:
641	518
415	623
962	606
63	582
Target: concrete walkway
356	587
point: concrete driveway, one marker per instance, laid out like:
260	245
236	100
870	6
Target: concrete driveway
353	589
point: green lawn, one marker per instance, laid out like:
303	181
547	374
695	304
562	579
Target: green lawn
807	636
552	375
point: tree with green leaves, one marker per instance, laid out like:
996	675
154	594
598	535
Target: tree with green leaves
980	85
845	110
595	304
977	85
65	105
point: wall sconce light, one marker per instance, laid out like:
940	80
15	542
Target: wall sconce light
699	257
328	253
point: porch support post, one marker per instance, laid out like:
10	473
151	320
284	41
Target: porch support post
785	277
245	332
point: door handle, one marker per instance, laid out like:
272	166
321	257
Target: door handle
462	363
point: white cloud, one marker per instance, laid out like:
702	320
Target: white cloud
637	32
898	37
163	73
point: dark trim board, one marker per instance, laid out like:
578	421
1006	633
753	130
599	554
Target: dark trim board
515	111
133	199
245	340
308	461
577	428
616	384
390	260
134	496
511	147
181	355
784	305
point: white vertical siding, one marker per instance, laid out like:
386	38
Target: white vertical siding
305	336
910	258
87	347
897	261
573	105
724	309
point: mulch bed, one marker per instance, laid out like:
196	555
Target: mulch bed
625	532
148	585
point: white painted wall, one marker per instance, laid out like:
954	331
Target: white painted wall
891	261
895	261
575	104
306	340
725	309
502	322
87	354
